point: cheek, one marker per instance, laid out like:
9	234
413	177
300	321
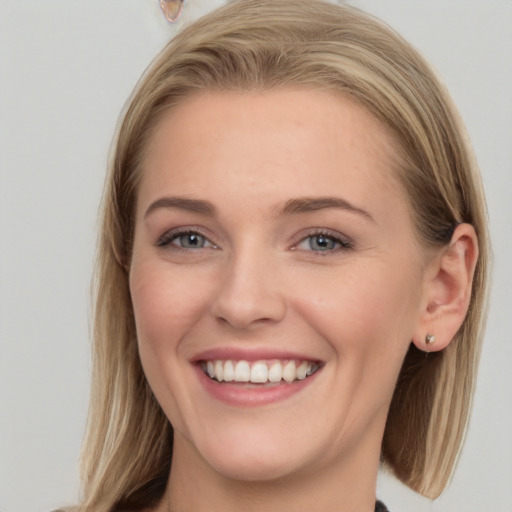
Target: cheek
367	314
165	303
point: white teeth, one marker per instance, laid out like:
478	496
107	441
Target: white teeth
259	372
302	370
229	371
210	369
289	371
219	370
242	371
275	372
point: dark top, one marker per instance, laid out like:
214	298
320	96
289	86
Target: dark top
380	507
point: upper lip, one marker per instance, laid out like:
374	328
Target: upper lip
250	355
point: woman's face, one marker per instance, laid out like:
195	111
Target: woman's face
276	280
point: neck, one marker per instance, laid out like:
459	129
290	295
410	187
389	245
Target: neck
341	485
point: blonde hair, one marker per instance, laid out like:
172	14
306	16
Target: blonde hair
262	44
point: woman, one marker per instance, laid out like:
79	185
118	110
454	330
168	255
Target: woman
292	271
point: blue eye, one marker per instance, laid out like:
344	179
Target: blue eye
322	242
190	241
187	240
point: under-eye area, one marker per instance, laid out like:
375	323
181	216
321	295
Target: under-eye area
272	372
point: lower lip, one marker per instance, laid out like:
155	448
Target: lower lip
252	395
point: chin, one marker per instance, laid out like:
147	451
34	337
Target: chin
247	457
255	467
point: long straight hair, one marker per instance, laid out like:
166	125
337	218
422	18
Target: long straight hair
258	45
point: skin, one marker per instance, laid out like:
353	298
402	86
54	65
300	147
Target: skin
258	281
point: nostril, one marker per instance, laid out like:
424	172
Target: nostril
244	320
246	311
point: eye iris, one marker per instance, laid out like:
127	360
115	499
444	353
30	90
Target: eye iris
321	243
191	241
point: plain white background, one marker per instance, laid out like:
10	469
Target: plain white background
66	69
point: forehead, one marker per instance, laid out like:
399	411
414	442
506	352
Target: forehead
272	143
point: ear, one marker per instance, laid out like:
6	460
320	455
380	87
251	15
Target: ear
447	290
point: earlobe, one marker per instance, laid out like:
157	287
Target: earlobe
447	290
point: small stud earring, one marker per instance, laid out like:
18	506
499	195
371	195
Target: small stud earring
430	339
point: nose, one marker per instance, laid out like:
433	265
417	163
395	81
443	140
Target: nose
250	293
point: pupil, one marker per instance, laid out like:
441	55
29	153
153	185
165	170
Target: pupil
191	240
321	243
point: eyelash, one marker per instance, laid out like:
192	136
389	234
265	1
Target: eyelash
341	244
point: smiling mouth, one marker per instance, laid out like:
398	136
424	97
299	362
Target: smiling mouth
258	372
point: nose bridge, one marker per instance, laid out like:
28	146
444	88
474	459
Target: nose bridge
249	292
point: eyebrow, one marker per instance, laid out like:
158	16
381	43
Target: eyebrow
309	204
291	207
182	203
